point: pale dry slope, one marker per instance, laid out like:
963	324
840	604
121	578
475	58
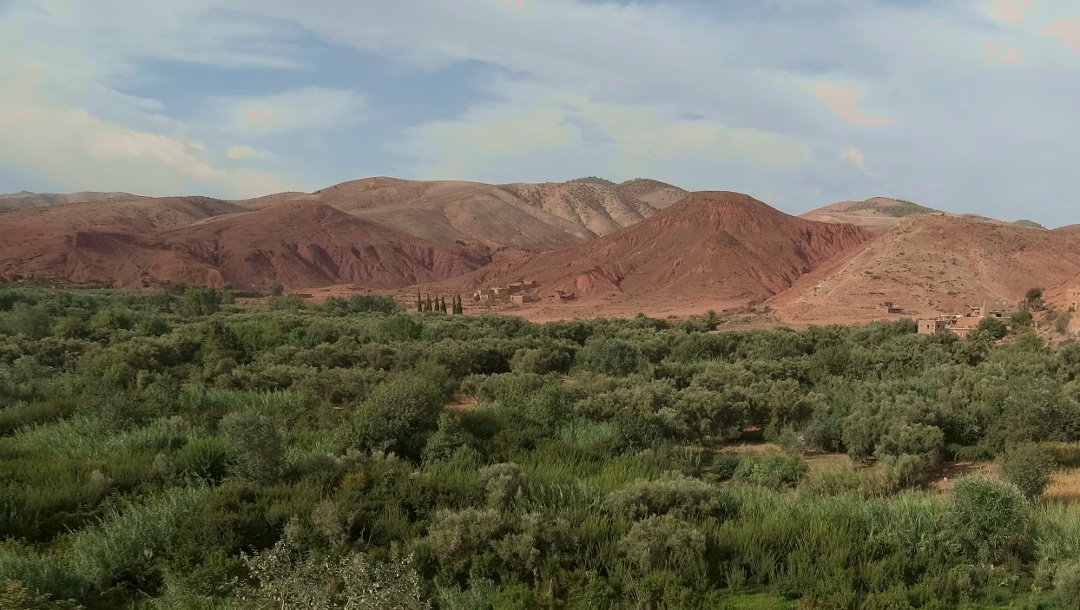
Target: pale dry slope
520	216
599	208
932	263
659	195
877	214
26	199
136	214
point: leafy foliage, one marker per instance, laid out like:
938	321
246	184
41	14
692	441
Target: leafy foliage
177	450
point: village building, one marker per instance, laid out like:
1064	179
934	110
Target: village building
963	326
933	327
890	307
521	299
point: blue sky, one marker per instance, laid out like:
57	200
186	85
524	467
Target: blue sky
968	105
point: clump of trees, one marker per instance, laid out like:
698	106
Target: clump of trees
174	449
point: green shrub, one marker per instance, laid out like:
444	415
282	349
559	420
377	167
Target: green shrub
256	445
986	521
1029	467
772	470
205	457
1067	584
398	415
15	595
123	547
610	356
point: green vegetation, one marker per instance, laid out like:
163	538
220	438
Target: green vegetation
1031	224
898	210
592	180
174	450
905	208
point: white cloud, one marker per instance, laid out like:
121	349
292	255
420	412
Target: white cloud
854	156
1003	53
298	109
717	95
49	138
1010	11
844	102
1065	31
530	121
244	152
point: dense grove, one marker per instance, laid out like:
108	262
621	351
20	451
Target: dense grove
175	450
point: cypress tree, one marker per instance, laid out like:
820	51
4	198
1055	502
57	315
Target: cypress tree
428	303
419	303
444	305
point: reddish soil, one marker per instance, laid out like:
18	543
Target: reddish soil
297	244
715	248
930	264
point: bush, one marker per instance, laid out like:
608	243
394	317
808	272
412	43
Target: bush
675	494
256	445
666	543
772	470
398	415
207	458
986	521
993	327
15	595
1067	584
1029	467
289	578
610	356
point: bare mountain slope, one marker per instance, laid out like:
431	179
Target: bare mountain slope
599	208
878	214
718	247
658	194
27	199
297	244
136	214
933	263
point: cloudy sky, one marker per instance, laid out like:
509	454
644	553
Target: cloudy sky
964	105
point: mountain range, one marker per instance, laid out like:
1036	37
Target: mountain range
638	246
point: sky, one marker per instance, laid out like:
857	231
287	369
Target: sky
965	105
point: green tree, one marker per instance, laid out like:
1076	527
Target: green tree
1034	298
993	327
419	303
1027	466
277	290
710	320
1021	319
199	301
986	521
399	414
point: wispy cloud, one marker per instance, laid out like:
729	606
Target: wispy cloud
1003	53
844	102
854	156
47	137
1010	11
308	108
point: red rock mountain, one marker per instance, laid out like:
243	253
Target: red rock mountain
297	244
723	246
